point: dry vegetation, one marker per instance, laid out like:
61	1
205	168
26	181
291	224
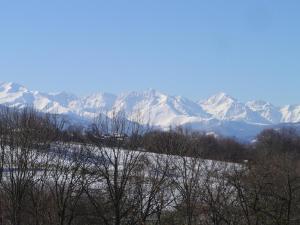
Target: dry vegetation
53	176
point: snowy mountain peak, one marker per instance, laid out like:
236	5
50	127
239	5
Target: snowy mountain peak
290	114
220	113
98	102
11	87
225	107
220	98
266	110
260	106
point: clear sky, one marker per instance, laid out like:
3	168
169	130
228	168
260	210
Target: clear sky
249	49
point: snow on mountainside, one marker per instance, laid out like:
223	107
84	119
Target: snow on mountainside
224	107
92	105
268	111
221	113
290	114
159	109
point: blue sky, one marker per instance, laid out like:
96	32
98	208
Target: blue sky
249	49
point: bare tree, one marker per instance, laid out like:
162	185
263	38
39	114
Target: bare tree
219	198
152	188
26	139
114	169
187	184
66	181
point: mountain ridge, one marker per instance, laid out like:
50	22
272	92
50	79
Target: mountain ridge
219	113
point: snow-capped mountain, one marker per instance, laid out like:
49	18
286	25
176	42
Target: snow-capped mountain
268	111
221	113
159	109
225	107
290	114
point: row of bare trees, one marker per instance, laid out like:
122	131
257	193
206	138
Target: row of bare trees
45	179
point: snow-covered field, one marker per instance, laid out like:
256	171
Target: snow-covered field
65	155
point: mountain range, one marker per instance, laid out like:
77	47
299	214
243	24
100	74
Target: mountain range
220	114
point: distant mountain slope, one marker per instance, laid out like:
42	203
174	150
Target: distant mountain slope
220	114
268	111
224	107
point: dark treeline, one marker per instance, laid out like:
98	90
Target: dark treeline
168	142
50	175
200	145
